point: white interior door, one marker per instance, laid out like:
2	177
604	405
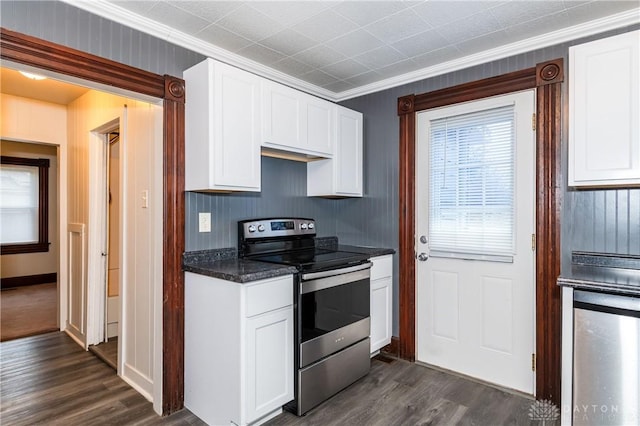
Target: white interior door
475	213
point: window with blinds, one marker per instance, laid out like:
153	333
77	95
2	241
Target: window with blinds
23	205
471	184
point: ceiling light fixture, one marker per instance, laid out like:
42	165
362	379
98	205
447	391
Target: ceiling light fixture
32	76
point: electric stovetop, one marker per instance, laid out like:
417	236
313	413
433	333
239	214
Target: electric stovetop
314	259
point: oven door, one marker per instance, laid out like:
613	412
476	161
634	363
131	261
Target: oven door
333	311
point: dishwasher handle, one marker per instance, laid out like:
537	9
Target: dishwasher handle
608	303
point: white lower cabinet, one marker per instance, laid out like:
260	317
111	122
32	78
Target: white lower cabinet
381	302
238	348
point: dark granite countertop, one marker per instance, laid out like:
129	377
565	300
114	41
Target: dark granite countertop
371	251
600	274
224	264
332	243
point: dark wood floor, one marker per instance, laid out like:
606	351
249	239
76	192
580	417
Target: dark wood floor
107	352
49	379
403	393
28	310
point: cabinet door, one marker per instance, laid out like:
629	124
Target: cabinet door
380	313
349	152
269	362
381	301
319	128
282	119
237	128
340	176
604	108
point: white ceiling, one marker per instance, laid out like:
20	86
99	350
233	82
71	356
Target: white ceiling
341	49
48	90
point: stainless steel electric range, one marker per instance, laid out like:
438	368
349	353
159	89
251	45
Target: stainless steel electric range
331	305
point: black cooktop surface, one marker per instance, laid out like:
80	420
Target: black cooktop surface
314	259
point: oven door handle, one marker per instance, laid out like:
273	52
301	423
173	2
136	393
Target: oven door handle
327	279
332	272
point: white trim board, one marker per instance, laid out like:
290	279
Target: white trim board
118	14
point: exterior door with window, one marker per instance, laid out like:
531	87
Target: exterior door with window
475	278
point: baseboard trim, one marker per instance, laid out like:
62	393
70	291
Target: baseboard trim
11	282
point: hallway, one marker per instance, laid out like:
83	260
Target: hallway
49	379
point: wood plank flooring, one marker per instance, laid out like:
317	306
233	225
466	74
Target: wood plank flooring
28	310
403	393
107	352
49	379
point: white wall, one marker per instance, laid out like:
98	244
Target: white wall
141	253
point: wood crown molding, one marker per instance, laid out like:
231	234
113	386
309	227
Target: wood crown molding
547	77
43	54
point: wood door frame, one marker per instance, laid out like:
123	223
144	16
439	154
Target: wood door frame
43	54
546	78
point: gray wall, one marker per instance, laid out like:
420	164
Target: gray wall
67	25
597	220
284	189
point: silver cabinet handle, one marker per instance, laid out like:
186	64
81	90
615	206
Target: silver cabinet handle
423	257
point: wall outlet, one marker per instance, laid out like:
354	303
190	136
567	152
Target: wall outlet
204	222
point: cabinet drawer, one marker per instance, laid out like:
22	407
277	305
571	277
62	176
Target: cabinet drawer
269	295
382	267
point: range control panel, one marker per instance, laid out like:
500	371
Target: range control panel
268	228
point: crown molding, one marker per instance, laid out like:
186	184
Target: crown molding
118	14
575	32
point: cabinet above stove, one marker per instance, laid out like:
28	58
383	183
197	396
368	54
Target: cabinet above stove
233	117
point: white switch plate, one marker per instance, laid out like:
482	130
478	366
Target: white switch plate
204	222
145	199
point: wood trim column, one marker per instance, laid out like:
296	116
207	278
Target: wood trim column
38	53
547	77
407	259
173	247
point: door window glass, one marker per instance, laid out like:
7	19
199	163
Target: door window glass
471	183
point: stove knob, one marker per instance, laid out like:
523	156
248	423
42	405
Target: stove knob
252	228
311	225
303	226
260	228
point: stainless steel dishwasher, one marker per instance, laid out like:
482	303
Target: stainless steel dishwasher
606	369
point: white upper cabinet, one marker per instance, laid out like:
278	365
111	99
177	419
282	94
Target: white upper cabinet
222	128
340	176
232	117
295	122
604	112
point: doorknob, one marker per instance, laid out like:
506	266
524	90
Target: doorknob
423	257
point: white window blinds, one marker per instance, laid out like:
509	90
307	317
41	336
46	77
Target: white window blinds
471	183
18	204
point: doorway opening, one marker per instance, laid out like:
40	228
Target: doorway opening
29	283
107	349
